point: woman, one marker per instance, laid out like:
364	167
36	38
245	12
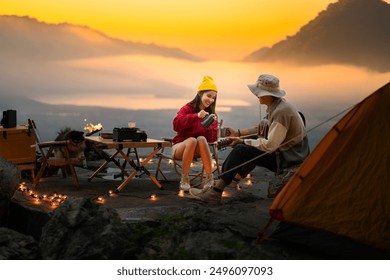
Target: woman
192	137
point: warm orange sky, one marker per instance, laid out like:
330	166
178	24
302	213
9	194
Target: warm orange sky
217	29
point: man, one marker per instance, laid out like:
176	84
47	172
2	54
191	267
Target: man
286	144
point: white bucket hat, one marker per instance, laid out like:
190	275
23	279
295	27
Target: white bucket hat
265	85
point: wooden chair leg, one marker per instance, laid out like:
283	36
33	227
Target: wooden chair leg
158	169
63	170
40	173
74	175
32	174
215	156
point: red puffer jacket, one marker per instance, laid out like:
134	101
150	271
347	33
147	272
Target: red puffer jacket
187	124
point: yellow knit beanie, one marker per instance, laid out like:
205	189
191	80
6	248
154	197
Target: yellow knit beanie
207	84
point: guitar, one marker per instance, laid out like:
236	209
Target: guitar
222	143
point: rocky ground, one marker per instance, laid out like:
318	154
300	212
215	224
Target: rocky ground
132	225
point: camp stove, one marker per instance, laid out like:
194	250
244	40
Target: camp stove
129	134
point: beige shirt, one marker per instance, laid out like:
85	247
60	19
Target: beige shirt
287	133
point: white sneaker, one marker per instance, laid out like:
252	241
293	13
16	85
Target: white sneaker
209	182
185	183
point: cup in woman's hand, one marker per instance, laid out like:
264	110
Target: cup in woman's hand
208	121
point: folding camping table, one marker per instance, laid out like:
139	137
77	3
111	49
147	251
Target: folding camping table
100	144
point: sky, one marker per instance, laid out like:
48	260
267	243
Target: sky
221	31
217	29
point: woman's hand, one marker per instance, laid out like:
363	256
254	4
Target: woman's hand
202	114
214	116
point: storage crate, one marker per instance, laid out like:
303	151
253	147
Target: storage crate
17	144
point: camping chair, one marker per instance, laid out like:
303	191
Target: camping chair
46	150
167	154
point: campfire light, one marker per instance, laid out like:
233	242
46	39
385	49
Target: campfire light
153	197
93	128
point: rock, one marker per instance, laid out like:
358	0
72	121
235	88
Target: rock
83	229
17	246
200	233
10	177
280	180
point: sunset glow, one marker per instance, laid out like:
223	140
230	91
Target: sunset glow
219	30
223	32
139	82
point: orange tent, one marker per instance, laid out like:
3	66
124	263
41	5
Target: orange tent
343	187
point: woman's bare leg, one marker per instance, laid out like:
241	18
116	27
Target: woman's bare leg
203	150
185	152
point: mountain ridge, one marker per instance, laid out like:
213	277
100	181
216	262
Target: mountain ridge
348	32
27	37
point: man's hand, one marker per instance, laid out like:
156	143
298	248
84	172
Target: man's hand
231	132
235	141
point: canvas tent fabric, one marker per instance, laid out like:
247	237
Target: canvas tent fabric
343	187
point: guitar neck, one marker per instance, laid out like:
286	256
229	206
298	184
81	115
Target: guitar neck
250	136
224	142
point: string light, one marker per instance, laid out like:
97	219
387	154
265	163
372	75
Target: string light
181	193
249	182
141	160
54	200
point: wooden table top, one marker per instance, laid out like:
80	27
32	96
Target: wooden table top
109	143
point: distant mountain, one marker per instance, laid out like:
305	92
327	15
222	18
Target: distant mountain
353	32
25	37
157	123
52	118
